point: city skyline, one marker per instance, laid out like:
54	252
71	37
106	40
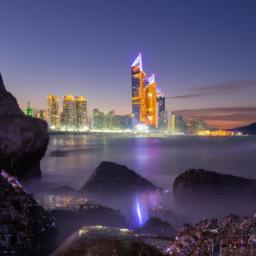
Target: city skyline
205	65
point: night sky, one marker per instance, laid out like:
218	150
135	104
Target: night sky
202	52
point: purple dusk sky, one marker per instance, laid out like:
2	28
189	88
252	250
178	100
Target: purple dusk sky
202	52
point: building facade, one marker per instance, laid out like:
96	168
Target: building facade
138	90
145	100
81	112
53	111
110	121
69	113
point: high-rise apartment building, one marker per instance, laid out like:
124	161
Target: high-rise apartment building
74	114
53	111
69	113
81	112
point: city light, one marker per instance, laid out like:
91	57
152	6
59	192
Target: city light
148	105
148	113
141	128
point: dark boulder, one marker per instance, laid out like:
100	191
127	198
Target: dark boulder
104	241
25	227
23	139
86	214
114	179
155	226
214	193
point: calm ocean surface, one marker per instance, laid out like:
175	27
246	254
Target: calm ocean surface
71	159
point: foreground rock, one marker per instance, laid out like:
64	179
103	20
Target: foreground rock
102	241
228	236
115	179
23	139
25	227
212	193
155	226
68	220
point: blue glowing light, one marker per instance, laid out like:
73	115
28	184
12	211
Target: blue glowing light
138	210
141	210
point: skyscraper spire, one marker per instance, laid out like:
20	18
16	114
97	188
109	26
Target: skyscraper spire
138	61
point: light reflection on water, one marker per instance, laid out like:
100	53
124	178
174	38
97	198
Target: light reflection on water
71	159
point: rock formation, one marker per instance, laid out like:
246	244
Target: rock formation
214	193
155	226
86	214
23	139
103	241
114	179
25	227
231	235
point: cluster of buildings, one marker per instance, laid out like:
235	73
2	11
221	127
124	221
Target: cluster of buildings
110	121
148	111
72	116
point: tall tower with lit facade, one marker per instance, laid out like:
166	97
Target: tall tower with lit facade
145	99
151	109
81	112
53	112
69	113
138	91
162	113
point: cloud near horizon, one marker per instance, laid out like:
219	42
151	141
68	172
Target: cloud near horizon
215	89
223	117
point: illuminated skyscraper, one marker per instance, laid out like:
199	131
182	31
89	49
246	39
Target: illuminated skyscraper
151	110
138	91
53	111
162	113
146	102
81	112
69	113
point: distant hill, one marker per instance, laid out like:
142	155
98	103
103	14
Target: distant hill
248	130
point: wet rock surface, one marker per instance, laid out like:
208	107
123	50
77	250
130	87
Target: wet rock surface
86	214
23	139
25	227
229	236
155	226
103	241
